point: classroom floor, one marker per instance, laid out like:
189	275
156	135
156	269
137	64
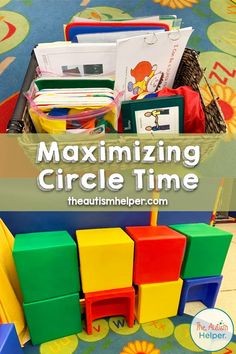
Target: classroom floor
227	296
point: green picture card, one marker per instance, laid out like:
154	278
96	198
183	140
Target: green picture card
160	115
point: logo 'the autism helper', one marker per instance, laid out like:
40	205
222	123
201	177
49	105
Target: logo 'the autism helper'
212	329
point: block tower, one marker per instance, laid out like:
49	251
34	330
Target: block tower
206	251
106	267
158	257
47	266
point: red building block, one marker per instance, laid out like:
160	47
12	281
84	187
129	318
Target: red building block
158	254
118	302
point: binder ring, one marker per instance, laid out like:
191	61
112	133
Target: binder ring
174	35
152	40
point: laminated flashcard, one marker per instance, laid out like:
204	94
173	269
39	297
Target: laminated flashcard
149	63
154	116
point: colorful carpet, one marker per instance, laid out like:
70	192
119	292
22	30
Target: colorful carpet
170	336
24	23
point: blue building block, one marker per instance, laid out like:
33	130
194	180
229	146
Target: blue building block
9	342
200	289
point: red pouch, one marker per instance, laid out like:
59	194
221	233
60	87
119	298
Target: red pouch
194	116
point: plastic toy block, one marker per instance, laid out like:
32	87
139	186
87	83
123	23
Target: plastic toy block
200	289
158	255
52	319
9	342
47	265
158	300
110	303
206	250
106	259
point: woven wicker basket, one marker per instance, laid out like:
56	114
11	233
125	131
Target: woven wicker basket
189	74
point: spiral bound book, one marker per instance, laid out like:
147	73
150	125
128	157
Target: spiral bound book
149	63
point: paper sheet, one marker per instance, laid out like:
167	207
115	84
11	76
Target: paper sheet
77	58
138	19
111	37
170	20
149	63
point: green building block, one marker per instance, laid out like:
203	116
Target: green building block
47	265
206	250
55	318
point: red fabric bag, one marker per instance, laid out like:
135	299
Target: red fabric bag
194	116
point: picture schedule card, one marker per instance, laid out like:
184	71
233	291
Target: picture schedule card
154	116
149	63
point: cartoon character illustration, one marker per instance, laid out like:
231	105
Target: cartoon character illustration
147	78
155	113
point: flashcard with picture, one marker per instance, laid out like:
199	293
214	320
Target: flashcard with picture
161	115
150	62
158	120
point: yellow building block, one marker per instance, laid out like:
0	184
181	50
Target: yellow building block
106	259
11	310
158	300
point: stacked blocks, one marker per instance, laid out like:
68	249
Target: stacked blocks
106	267
47	267
159	253
205	255
9	342
169	265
